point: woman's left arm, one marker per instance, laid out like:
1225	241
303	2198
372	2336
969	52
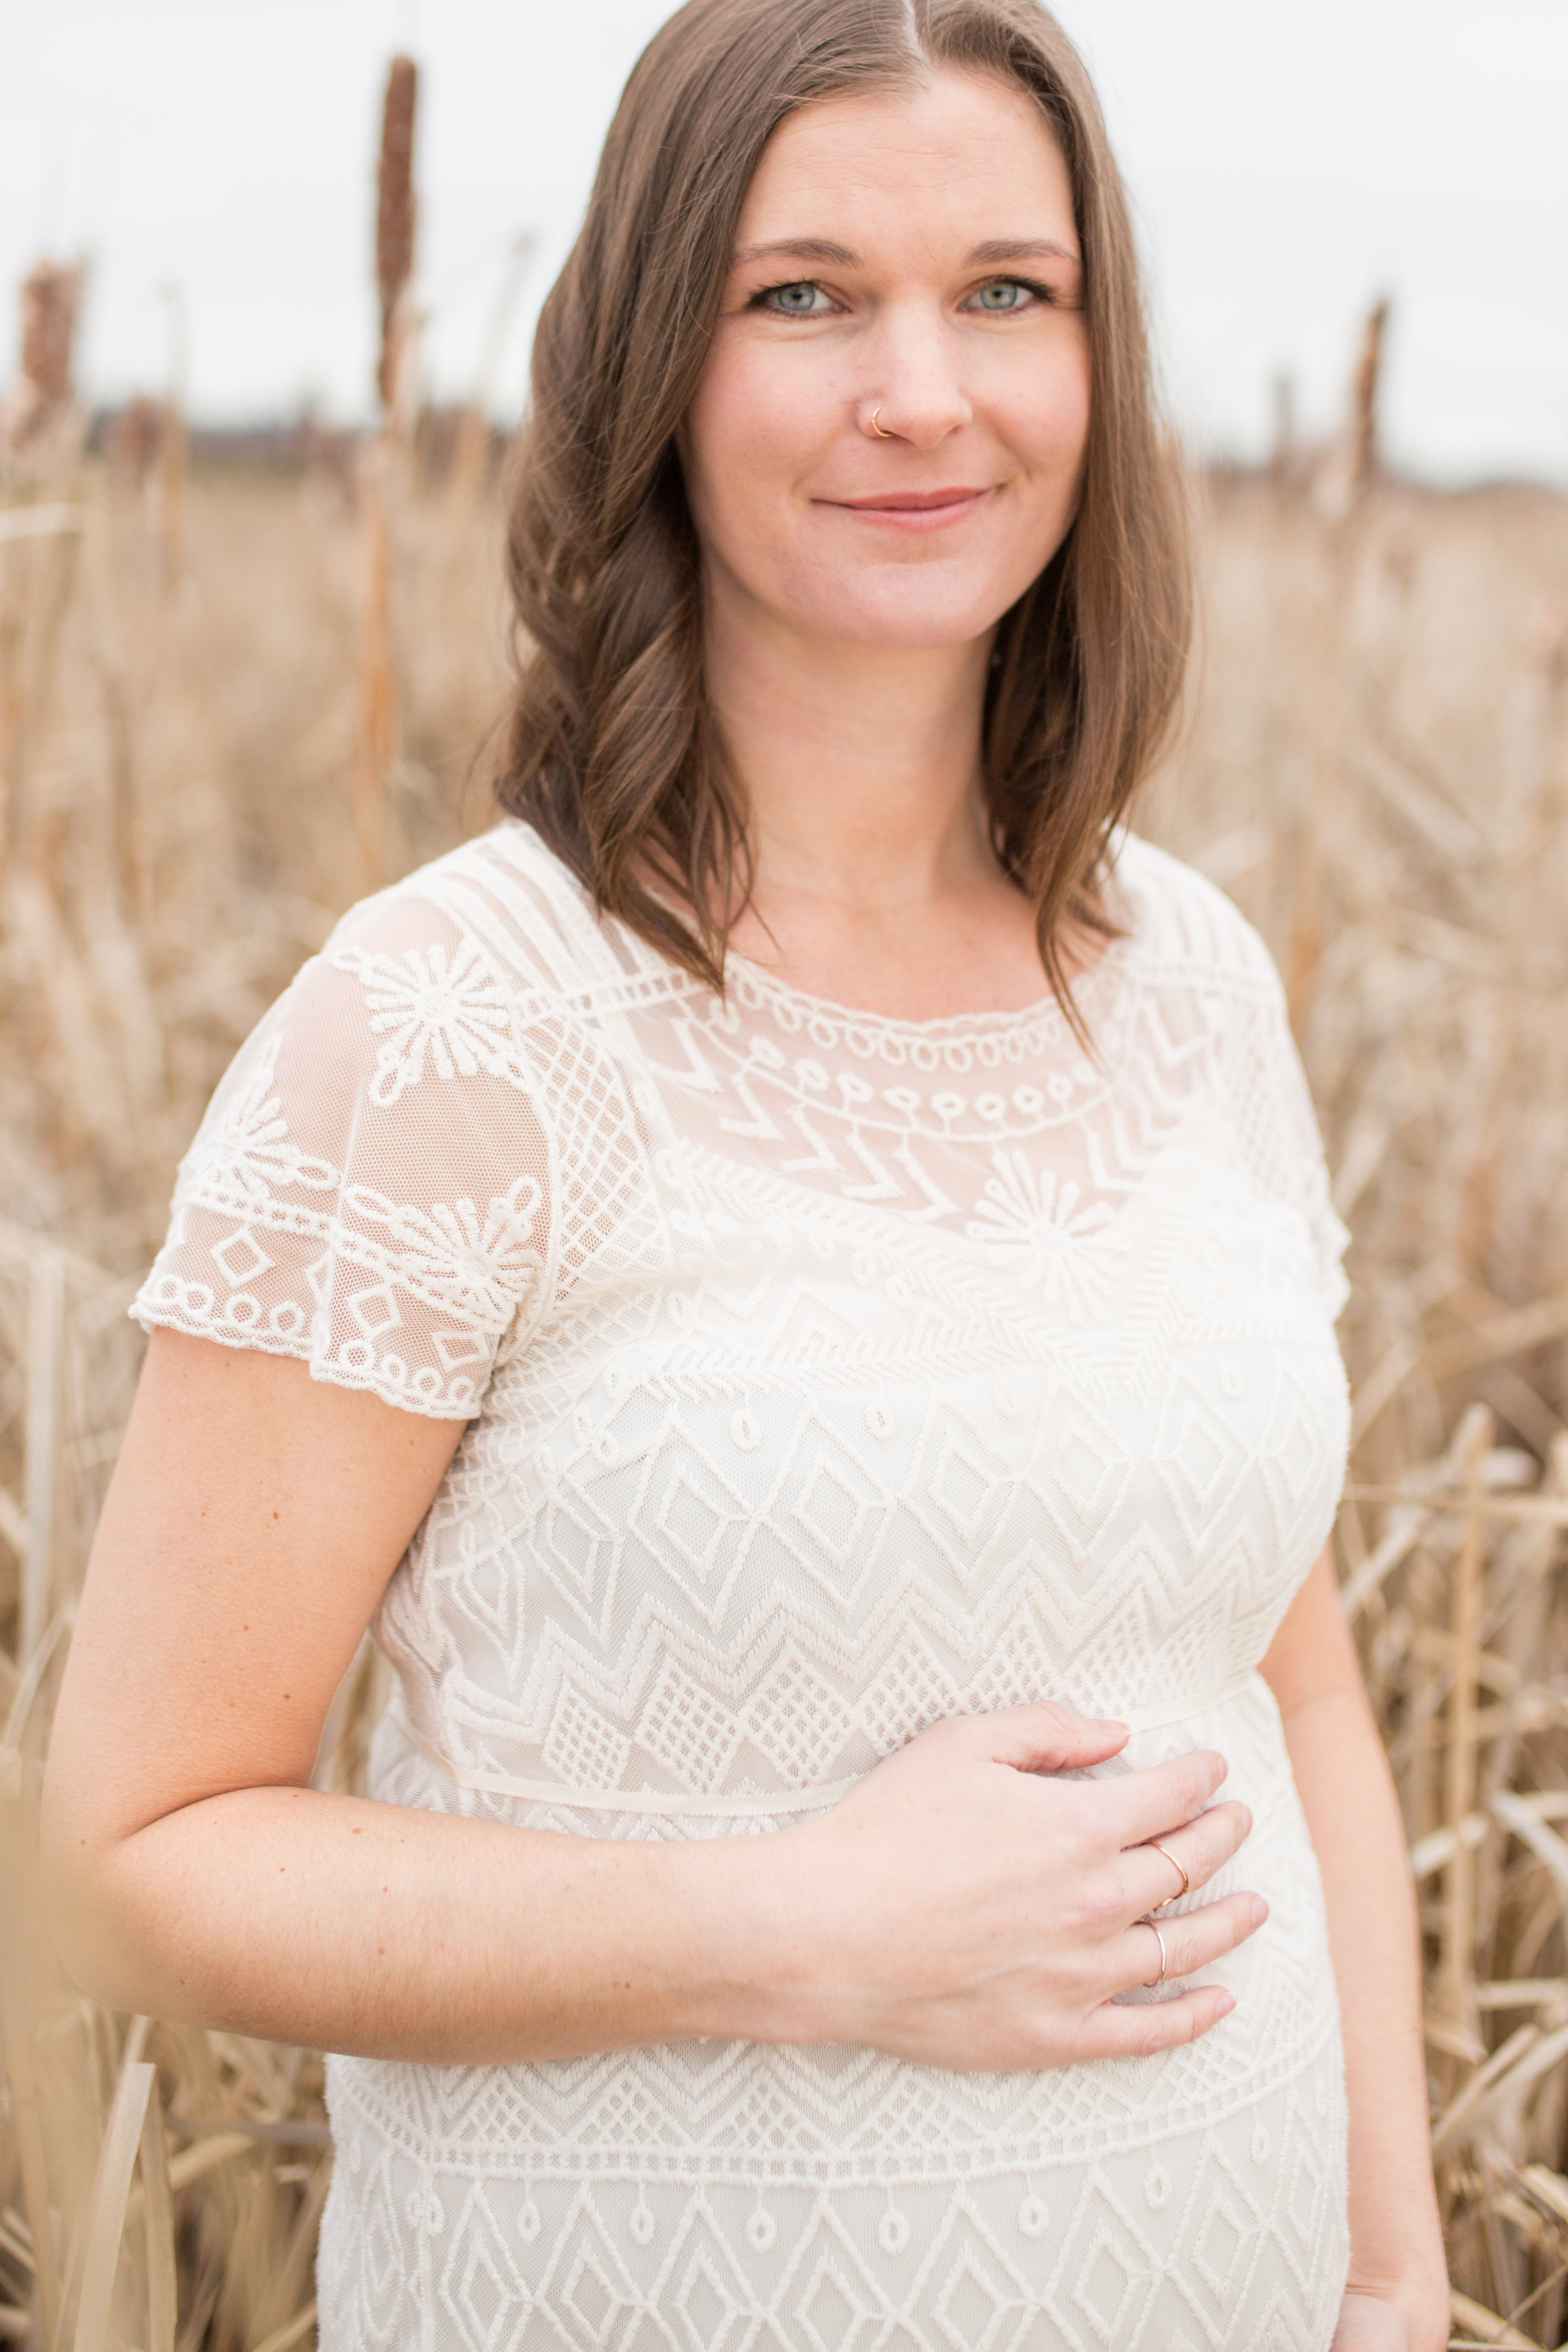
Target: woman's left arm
1397	2296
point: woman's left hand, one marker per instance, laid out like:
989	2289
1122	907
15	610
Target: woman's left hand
1374	2320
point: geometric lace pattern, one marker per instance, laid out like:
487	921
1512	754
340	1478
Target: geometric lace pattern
823	1375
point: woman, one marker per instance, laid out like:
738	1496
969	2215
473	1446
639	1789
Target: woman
793	1278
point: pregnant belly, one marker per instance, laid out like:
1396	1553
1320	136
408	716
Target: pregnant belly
839	2097
827	2195
727	2195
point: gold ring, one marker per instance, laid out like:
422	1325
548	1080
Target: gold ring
1164	1956
877	428
1186	1885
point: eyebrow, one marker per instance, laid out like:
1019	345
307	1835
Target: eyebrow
798	249
1027	248
822	249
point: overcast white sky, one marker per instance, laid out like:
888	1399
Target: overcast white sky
1289	159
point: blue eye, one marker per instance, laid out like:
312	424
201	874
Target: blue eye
799	300
1002	294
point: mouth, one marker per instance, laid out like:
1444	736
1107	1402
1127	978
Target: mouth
914	510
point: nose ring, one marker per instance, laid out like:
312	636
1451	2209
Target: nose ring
877	428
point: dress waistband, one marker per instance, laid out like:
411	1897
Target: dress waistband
750	1808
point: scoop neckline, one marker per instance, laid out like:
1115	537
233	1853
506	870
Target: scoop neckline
1114	952
1084	989
1021	1015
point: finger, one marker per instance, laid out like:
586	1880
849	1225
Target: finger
1112	2031
1045	1737
1161	1797
1191	1941
1152	1872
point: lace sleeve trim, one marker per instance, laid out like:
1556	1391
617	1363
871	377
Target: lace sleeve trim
167	1302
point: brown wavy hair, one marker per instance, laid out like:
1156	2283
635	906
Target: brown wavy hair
611	749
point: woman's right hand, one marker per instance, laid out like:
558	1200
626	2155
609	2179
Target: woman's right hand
964	1908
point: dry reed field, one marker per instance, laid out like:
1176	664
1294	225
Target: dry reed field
231	701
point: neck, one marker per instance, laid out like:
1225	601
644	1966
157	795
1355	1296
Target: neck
861	765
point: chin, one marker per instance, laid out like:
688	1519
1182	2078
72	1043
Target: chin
898	616
904	631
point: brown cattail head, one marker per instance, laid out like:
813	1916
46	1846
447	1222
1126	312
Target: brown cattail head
394	214
51	298
1363	422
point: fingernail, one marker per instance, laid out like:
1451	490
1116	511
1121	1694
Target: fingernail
1225	2004
1259	1910
1247	1821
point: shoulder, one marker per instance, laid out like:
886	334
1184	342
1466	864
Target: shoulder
500	910
490	962
1184	923
442	976
1197	947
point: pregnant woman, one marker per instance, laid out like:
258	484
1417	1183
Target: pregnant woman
791	1284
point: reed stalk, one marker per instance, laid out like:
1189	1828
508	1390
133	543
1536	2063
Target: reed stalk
46	1372
173	455
31	2156
397	213
382	467
378	746
1458	1974
1365	419
41	431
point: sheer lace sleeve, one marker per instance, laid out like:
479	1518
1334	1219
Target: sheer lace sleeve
370	1189
1331	1238
1191	929
1280	1127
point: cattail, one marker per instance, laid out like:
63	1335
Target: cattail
1363	398
396	208
50	298
50	301
396	213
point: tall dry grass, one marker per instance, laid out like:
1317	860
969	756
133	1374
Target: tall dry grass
1376	766
384	468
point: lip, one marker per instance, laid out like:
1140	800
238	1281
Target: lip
913	510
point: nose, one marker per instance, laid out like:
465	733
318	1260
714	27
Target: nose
913	392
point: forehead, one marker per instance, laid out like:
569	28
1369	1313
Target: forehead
953	142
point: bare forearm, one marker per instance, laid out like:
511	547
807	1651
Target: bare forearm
389	1932
969	1903
1353	1818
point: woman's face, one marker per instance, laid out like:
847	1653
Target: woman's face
910	257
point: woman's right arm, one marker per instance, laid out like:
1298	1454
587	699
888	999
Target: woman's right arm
959	1907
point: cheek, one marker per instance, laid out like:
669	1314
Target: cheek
1049	418
749	437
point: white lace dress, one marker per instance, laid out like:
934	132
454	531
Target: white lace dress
825	1374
